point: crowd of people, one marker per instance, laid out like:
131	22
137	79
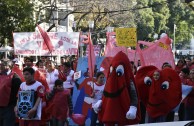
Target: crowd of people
54	85
47	80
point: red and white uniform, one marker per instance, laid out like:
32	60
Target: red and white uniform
98	90
39	89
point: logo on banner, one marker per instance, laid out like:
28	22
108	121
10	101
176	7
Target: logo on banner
164	46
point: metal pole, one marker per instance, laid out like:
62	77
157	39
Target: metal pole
57	17
81	48
67	7
174	48
6	50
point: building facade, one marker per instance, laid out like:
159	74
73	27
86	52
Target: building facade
50	12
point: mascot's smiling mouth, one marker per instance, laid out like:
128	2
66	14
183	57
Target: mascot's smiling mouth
155	105
114	94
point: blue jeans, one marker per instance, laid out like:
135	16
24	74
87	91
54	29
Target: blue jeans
94	118
7	116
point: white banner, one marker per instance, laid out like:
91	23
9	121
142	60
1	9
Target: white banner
32	43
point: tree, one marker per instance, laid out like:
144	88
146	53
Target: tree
183	16
144	20
149	16
16	16
104	13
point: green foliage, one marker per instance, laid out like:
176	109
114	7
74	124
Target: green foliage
183	16
145	20
161	15
16	16
149	16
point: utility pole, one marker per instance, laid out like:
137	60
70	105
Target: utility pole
56	15
174	42
67	7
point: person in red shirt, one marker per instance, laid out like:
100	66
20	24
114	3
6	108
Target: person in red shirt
184	75
60	104
179	66
189	64
189	101
10	83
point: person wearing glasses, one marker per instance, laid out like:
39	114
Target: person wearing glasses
189	100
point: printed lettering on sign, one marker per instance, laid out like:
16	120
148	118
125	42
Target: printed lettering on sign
32	43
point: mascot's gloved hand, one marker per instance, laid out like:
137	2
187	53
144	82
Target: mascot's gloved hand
97	106
131	114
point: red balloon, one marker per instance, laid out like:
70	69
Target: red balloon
78	118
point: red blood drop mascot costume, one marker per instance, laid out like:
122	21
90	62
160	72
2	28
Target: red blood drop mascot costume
160	96
119	104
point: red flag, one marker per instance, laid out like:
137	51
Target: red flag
18	72
91	58
46	39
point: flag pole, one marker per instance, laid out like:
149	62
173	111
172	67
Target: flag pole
135	50
91	26
92	74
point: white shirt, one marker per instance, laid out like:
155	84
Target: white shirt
69	83
98	90
51	77
35	86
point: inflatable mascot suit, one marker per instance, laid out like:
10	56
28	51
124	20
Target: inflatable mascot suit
159	90
119	104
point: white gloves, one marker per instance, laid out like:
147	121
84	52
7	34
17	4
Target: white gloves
97	106
131	114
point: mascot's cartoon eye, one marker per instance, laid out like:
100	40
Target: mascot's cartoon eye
148	81
111	69
165	85
120	70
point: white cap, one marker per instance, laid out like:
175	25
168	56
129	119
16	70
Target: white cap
18	62
163	35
